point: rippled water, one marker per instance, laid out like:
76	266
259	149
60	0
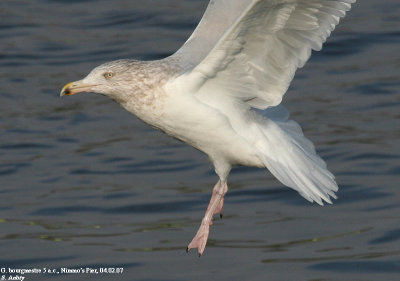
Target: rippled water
85	184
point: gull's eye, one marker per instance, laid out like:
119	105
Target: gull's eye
109	74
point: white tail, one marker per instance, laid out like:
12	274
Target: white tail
292	158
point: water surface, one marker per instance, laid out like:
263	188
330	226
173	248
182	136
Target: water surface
85	184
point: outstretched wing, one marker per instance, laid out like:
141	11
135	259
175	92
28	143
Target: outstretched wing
219	16
251	49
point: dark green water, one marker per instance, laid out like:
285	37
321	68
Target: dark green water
85	184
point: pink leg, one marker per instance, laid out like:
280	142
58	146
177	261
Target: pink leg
215	206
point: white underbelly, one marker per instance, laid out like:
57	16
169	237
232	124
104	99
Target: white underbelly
207	130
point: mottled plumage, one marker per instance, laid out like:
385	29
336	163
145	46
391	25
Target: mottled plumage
220	92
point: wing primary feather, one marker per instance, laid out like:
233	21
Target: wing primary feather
259	47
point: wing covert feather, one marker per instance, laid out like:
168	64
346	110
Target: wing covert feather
218	17
252	55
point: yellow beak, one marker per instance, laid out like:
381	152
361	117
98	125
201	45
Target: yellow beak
74	88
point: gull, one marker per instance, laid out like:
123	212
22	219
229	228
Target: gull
221	92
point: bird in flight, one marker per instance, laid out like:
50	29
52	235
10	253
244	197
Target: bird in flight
221	92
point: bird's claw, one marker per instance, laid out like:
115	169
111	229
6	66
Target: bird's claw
200	240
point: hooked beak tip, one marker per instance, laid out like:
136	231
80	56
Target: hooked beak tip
76	87
66	90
